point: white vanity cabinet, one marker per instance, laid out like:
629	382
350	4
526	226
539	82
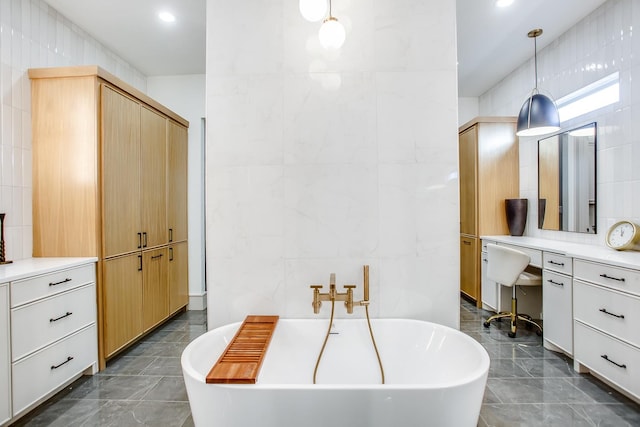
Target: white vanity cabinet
606	304
5	367
47	327
557	302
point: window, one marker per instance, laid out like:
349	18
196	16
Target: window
605	91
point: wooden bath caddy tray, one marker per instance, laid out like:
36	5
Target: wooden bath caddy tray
241	360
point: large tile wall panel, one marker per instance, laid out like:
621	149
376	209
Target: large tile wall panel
322	161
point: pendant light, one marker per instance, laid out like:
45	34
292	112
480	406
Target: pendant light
539	114
332	33
313	10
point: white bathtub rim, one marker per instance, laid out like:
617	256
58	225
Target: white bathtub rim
476	375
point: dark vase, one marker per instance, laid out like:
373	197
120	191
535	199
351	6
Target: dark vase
516	210
542	210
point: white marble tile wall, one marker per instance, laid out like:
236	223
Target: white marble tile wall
604	42
32	34
321	162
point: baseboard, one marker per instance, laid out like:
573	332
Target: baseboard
197	302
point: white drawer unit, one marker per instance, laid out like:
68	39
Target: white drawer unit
48	329
5	356
623	279
612	312
33	288
45	321
615	360
557	262
43	371
557	310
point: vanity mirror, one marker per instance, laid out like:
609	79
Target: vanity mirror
567	180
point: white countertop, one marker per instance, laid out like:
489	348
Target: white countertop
627	259
35	266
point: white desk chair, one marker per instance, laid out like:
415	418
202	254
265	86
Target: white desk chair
506	267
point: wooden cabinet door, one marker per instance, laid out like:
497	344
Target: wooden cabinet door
468	154
178	276
153	179
469	267
122	301
120	172
177	182
155	295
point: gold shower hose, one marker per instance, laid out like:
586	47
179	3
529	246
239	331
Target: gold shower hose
326	338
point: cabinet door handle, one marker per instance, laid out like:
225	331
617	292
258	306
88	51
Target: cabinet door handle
67	314
60	282
170	254
171	234
139	240
604	310
605	357
561	264
466	242
69	359
619	279
139	262
156	256
555	283
144	239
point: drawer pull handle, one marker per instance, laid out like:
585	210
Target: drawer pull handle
619	316
60	282
605	357
156	256
67	314
69	359
619	279
555	283
466	242
561	264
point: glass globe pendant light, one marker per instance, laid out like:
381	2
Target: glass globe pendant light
539	114
332	33
313	10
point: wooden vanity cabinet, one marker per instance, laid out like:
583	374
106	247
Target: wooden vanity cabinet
110	181
489	174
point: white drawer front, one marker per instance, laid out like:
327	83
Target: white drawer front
33	288
612	312
607	275
611	358
556	307
557	262
534	254
45	370
43	322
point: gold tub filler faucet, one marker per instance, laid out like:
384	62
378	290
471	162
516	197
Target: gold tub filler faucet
333	295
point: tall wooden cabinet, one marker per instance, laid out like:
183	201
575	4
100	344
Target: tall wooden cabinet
110	180
489	174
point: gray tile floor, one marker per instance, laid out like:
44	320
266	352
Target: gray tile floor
527	386
531	386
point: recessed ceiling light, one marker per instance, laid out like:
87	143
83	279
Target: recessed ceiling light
503	3
166	17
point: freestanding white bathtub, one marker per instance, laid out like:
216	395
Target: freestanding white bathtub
435	376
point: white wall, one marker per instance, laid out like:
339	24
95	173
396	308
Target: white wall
186	96
320	163
34	35
602	43
468	109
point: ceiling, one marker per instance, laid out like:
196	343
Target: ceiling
492	42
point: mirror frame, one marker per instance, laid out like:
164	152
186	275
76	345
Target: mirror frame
557	180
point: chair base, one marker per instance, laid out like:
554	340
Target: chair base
514	316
